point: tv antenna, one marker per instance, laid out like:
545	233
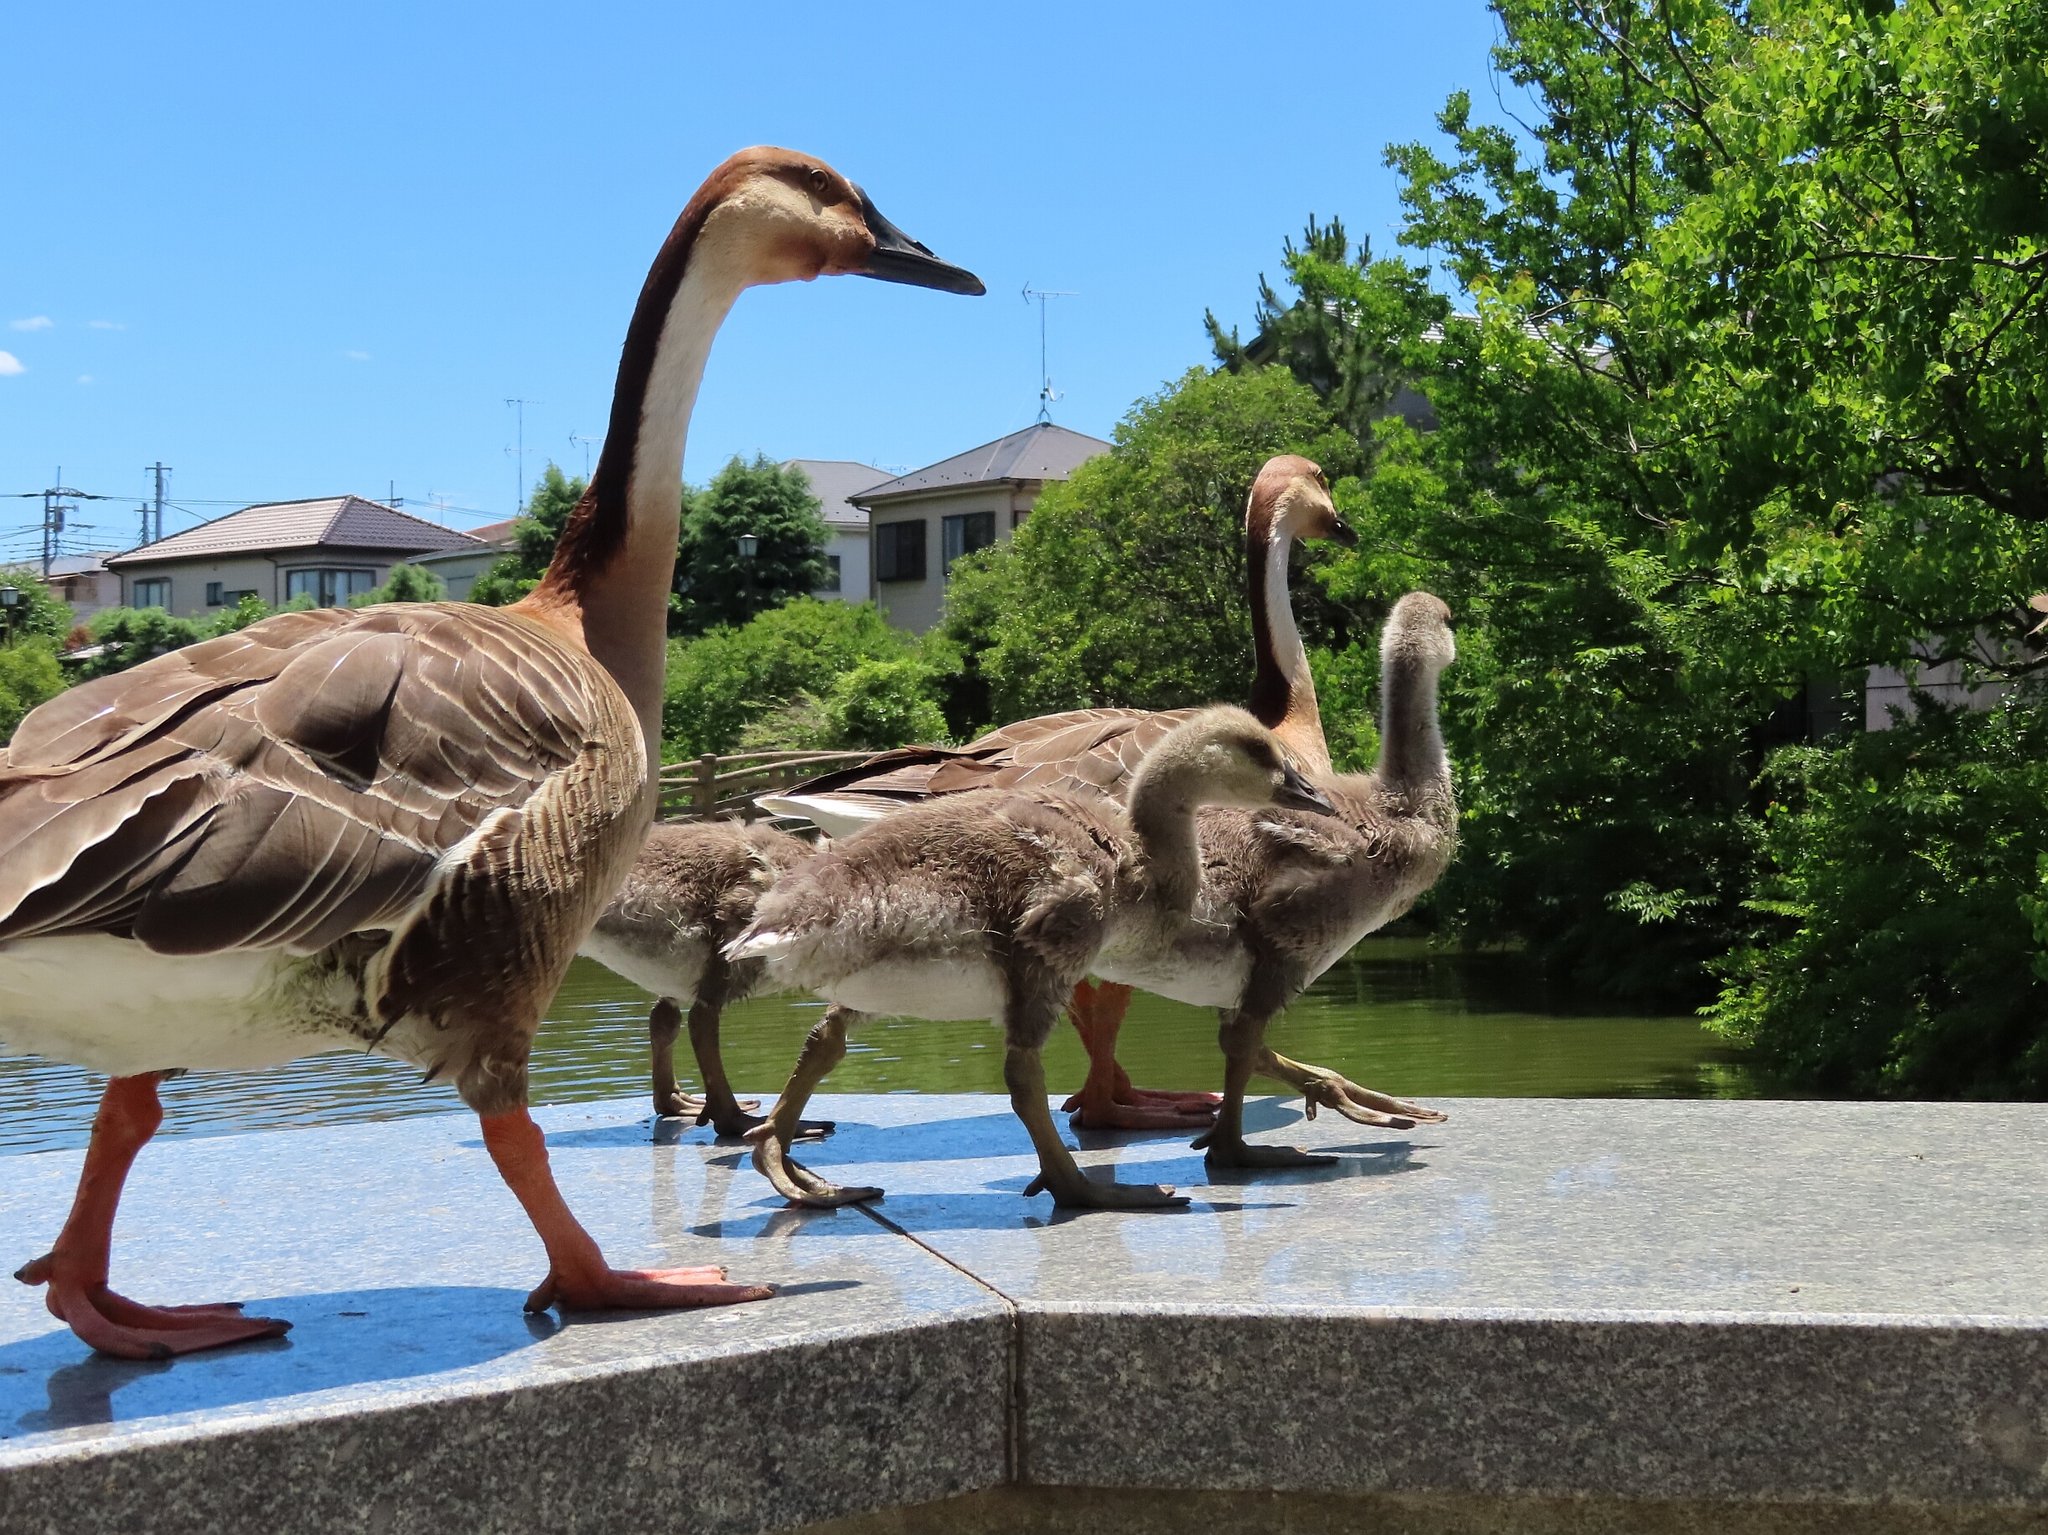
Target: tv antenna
519	455
1046	393
578	440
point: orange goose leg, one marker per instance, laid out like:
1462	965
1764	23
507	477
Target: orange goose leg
1107	1101
578	1277
76	1268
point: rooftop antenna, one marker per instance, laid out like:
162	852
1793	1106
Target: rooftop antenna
519	455
577	440
1046	393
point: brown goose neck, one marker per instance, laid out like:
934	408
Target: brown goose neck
1283	690
614	564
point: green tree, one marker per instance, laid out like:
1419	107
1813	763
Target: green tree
1350	332
37	609
29	675
716	584
882	703
130	636
534	532
723	681
1143	542
405	583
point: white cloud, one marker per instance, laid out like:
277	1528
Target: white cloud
33	322
104	325
354	356
10	365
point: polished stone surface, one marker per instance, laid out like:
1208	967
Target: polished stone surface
1672	1302
1520	1206
413	1383
1639	1299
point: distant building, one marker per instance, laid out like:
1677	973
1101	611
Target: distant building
84	581
835	481
919	523
459	568
330	550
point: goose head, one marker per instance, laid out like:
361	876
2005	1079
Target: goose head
1291	498
1419	631
1223	756
789	217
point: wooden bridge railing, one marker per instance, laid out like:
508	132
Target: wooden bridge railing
711	787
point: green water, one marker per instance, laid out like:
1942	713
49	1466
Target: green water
1395	1015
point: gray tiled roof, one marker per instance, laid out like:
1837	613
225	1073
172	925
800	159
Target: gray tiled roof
834	481
1041	451
346	522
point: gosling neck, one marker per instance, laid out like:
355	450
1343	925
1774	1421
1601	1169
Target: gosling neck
1412	754
614	564
1283	690
1162	817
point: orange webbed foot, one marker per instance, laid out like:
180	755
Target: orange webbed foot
127	1329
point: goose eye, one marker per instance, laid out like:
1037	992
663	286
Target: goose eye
818	181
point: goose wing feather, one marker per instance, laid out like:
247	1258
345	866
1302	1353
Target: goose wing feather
286	785
1091	752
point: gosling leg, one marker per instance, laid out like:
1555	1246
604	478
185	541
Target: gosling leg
720	1109
824	1048
1024	1074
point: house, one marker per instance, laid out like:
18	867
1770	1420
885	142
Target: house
84	581
835	481
331	549
919	523
459	568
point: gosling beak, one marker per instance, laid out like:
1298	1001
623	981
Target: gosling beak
898	258
1297	793
1342	532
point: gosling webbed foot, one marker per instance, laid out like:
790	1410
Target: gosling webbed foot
738	1122
797	1183
1220	1150
1084	1193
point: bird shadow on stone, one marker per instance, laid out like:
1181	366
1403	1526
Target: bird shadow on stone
357	1338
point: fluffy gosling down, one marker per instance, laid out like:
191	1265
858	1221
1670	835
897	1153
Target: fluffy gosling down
994	906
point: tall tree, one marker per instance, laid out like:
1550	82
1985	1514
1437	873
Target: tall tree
534	532
761	507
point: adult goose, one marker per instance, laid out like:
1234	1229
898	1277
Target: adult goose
390	828
691	891
994	906
1289	501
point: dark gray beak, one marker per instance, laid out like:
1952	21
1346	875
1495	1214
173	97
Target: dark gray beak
1342	532
1297	793
898	258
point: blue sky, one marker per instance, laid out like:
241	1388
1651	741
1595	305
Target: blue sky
296	251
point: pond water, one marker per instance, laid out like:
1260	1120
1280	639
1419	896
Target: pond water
1396	1015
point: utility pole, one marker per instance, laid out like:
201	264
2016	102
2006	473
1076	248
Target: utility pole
1046	393
519	490
159	469
59	501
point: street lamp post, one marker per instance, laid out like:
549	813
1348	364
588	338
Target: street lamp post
749	545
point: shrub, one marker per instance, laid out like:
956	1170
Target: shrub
1904	912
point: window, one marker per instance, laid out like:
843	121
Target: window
965	534
213	594
899	550
328	587
153	593
831	581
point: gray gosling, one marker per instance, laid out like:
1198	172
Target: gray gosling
1283	897
692	890
995	906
